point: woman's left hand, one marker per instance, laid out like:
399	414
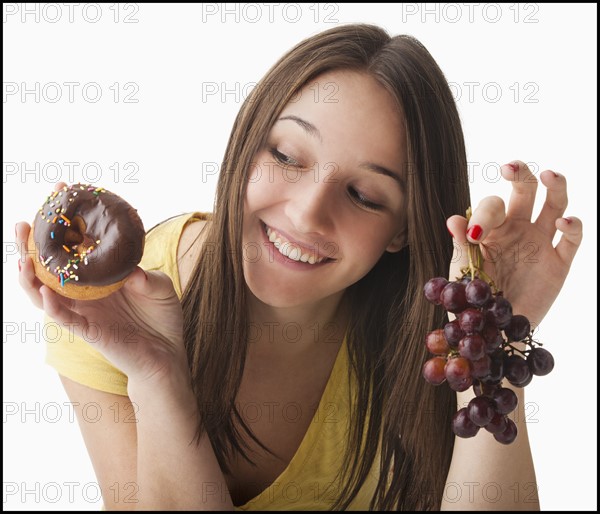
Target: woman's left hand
518	252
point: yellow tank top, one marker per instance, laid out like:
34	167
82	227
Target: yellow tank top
309	482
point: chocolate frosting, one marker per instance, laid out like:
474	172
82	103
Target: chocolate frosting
87	235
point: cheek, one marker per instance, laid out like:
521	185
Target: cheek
366	244
262	188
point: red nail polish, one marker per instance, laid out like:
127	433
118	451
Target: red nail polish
450	232
475	232
19	262
514	167
568	220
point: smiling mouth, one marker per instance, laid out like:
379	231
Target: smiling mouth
291	250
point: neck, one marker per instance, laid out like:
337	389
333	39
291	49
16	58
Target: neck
293	331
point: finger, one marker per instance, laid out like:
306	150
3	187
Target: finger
21	235
57	307
29	282
152	284
489	214
457	226
572	234
59	185
556	201
524	188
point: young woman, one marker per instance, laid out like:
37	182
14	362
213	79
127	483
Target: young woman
278	343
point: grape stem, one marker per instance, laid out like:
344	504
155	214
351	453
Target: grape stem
522	352
475	267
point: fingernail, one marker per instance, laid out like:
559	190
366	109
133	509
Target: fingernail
19	262
514	167
556	174
475	232
450	232
568	220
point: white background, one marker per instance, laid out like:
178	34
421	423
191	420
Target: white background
540	58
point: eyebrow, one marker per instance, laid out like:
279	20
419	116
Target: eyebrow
313	131
308	127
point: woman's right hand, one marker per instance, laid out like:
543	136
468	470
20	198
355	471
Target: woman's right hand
138	328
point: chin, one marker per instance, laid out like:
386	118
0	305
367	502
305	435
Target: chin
275	294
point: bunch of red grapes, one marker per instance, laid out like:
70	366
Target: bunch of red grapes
476	349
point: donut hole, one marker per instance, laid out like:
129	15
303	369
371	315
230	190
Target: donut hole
75	233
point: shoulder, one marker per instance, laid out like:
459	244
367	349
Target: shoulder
174	241
188	249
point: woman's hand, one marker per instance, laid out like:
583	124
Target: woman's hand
518	252
139	328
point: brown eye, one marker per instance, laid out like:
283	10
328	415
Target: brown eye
361	199
283	159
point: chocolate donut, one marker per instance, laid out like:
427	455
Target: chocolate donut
86	241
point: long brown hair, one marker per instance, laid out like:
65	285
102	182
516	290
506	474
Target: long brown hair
389	314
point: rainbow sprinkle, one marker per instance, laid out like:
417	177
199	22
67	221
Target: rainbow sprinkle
56	215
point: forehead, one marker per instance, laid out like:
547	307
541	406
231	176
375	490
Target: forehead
352	110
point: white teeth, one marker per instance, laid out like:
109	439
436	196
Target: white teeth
290	250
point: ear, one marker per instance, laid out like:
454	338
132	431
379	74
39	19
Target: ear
398	242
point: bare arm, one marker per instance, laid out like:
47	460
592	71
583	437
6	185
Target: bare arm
173	472
487	475
142	450
110	440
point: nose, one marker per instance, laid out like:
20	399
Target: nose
310	205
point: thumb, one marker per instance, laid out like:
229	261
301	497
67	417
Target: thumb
153	284
457	226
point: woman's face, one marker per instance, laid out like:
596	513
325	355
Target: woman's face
330	183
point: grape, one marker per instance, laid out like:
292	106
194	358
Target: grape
491	336
481	368
433	370
481	410
433	288
453	333
496	368
478	293
436	342
471	347
479	388
497	424
453	297
524	382
540	361
506	400
501	310
471	320
462	426
475	349
518	328
509	434
458	374
516	370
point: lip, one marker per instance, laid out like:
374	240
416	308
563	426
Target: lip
304	247
278	257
